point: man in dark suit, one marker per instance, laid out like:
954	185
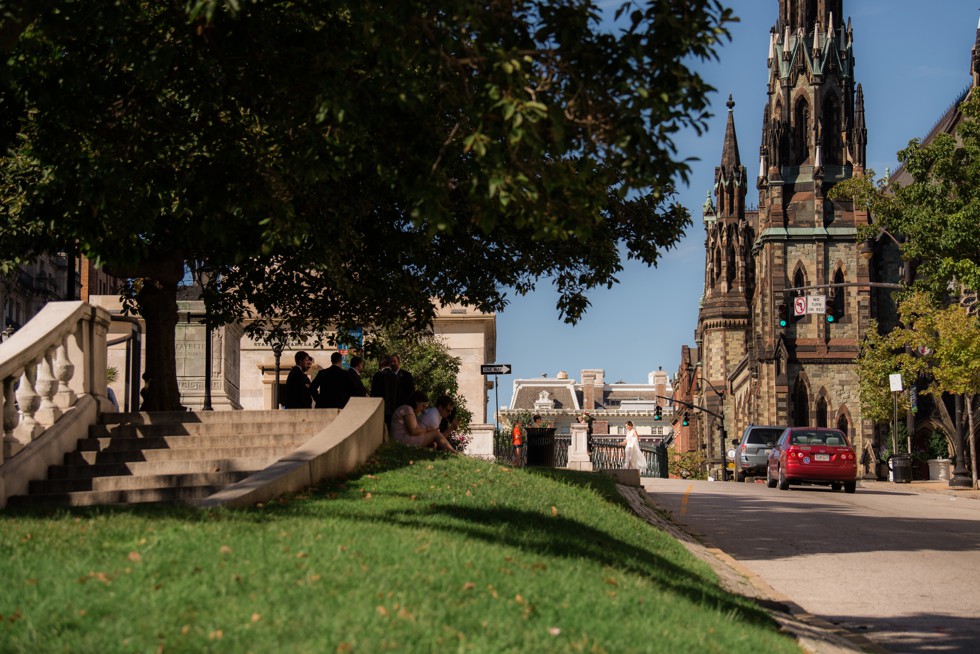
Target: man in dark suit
331	387
297	392
354	373
384	384
406	383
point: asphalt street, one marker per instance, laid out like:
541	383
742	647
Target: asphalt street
897	566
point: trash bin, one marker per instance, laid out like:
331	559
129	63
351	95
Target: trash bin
540	444
901	465
882	471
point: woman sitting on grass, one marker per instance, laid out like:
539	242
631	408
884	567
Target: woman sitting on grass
405	427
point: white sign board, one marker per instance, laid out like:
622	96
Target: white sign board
799	306
816	304
895	382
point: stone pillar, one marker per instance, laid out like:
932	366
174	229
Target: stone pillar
481	442
578	449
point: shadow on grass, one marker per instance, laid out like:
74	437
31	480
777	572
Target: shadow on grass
536	534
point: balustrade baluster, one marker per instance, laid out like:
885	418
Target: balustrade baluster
9	418
46	386
28	400
64	370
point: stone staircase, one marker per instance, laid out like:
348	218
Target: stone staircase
142	458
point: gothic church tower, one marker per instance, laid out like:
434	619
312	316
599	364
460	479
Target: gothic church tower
724	316
813	136
798	243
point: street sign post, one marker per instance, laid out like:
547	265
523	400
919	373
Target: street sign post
495	369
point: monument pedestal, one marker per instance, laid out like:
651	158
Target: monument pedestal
191	344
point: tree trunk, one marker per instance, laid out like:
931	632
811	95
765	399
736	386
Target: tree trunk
158	305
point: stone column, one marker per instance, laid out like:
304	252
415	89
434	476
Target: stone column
578	449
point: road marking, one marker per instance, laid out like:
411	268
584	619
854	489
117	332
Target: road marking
687	493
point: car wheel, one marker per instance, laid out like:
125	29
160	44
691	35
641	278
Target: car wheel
835	486
770	482
850	486
783	481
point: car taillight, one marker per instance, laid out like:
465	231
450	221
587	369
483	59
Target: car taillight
743	447
847	456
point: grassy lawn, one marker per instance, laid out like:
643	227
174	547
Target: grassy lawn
417	552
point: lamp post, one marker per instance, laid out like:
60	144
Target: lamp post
277	349
722	435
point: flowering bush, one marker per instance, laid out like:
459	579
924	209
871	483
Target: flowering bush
459	439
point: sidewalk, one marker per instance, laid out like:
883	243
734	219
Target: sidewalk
932	487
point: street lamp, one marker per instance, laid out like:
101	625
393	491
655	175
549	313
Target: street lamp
721	398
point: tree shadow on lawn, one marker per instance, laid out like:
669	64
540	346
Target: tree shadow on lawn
556	536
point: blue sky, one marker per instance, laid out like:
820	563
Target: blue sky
913	60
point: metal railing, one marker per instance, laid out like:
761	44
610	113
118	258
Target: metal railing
605	453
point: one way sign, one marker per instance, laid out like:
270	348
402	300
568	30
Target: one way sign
495	369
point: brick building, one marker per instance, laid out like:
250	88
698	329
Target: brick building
749	368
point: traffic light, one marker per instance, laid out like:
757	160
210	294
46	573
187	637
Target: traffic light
835	308
782	315
687	419
657	415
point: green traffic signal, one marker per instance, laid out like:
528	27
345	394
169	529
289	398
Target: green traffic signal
687	419
831	317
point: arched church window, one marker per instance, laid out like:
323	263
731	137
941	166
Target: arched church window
830	130
801	133
718	262
843	425
731	269
821	412
799	279
801	405
840	296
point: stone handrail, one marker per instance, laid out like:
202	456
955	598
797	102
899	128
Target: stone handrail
53	365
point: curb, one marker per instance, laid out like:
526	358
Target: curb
813	634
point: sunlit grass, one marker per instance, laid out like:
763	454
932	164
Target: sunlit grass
418	552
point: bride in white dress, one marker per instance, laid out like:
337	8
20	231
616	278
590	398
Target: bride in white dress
634	456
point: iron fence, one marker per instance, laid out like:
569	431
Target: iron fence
605	453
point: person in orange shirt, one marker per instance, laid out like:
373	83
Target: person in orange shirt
517	435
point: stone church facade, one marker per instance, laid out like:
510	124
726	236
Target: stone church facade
750	369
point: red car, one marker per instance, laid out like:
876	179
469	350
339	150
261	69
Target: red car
812	456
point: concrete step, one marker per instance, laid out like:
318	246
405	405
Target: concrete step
137	482
180	454
117	444
113	497
130	430
143	468
219	417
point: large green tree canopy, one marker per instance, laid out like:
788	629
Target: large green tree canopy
338	163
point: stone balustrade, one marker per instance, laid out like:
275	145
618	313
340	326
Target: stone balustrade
47	369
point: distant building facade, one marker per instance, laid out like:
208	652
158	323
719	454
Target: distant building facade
561	400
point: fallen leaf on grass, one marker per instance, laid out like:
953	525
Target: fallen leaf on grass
344	648
217	634
301	555
224	549
256	617
611	581
554	510
469	585
135	557
382	611
367	496
186	629
554	631
520	599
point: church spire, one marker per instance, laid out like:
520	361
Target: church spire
730	176
806	14
729	154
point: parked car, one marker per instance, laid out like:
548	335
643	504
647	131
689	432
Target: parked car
813	456
752	450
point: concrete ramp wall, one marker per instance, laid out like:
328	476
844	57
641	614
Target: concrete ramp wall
341	446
